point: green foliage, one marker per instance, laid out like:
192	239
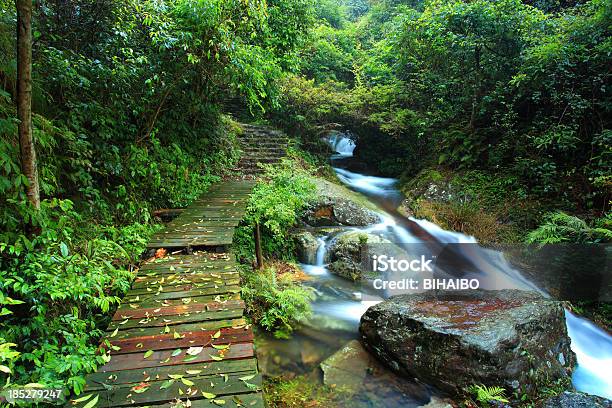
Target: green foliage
488	395
275	302
502	87
560	227
275	204
66	287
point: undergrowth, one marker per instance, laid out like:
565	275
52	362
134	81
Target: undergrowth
274	298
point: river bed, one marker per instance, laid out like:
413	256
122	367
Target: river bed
339	303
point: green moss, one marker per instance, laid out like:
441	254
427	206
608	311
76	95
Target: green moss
300	392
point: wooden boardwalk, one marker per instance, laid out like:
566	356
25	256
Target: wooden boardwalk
210	220
179	338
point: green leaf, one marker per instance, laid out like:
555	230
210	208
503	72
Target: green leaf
148	354
93	402
187	382
64	249
82	399
208	395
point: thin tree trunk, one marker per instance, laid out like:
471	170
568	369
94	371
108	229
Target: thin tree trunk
24	99
258	252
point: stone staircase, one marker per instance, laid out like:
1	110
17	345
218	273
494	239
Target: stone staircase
260	144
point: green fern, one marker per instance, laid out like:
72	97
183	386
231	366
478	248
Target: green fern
560	227
486	394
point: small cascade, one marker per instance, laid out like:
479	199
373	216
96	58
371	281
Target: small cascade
342	146
593	348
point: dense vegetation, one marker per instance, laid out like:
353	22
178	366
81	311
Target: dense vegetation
513	96
504	100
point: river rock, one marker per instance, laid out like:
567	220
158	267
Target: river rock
306	245
576	400
452	340
347	368
335	211
346	251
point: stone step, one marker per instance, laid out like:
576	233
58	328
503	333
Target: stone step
263	137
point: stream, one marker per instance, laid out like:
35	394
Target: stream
339	303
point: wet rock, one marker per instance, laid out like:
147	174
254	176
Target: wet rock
334	211
576	400
328	323
353	369
347	368
346	251
453	340
306	247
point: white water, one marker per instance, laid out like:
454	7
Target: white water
342	145
593	346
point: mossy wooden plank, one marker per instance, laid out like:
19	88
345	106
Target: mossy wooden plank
181	339
165	358
99	380
162	321
186	307
185	327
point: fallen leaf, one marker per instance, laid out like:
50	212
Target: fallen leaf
187	382
148	354
194	351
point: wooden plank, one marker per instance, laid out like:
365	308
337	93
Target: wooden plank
253	400
170	321
127	307
187	339
177	309
186	243
164	358
193	277
201	326
98	380
186	286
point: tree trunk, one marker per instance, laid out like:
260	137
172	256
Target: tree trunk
24	99
258	252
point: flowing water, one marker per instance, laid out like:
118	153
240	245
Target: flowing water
339	304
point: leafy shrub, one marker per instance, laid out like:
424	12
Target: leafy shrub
275	204
66	281
275	301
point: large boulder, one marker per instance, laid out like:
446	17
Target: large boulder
335	211
453	340
576	400
346	251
